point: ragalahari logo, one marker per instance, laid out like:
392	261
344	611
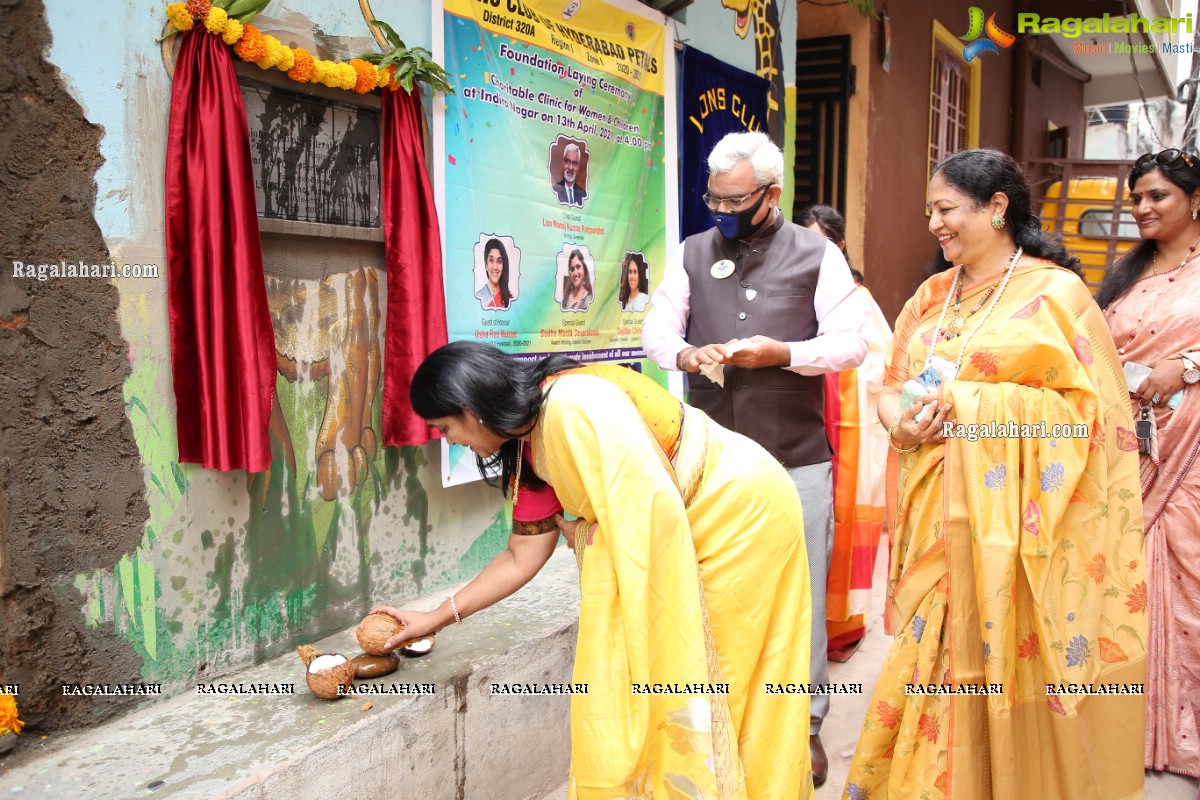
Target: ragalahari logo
995	39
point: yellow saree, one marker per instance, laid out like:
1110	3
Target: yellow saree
1017	563
694	597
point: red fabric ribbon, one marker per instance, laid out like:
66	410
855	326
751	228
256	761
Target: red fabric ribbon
416	310
222	342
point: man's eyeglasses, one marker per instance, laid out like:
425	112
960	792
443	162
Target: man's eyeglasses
732	203
1164	158
570	162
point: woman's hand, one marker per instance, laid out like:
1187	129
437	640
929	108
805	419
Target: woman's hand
1163	381
570	527
417	624
928	430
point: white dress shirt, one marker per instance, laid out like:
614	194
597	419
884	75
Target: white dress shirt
839	344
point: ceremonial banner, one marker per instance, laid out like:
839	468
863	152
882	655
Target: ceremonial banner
553	170
716	99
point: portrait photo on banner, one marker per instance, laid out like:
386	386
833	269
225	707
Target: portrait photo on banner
568	170
575	278
497	267
633	282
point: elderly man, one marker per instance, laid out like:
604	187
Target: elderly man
769	307
569	193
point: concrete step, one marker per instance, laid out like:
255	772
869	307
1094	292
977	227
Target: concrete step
460	742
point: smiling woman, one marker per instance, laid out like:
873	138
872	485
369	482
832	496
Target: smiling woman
1150	302
991	538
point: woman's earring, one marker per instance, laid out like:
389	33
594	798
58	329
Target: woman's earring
997	221
1195	214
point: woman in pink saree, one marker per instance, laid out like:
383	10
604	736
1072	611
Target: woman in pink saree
1151	300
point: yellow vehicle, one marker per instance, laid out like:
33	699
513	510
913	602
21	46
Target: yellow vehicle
1097	226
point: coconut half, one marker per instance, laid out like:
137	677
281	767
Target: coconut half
330	675
418	647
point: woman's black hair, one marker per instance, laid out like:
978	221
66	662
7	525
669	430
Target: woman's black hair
643	277
831	223
496	244
1121	276
587	279
979	174
504	393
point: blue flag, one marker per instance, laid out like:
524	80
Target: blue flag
716	99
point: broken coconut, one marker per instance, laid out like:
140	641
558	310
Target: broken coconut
329	675
417	647
375	630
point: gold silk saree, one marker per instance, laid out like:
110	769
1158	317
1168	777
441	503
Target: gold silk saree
1016	564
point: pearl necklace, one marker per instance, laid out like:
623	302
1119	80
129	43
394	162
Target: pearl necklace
1188	257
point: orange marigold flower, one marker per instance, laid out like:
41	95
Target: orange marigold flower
252	46
178	16
8	715
233	32
364	74
929	727
302	65
1136	599
198	8
1095	568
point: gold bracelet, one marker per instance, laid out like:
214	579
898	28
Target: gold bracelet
892	442
454	608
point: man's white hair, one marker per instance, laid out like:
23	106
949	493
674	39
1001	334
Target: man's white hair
570	148
757	148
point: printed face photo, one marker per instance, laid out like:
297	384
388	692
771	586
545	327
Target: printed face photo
575	278
568	170
497	270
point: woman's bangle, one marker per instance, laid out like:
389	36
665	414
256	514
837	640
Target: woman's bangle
892	442
454	609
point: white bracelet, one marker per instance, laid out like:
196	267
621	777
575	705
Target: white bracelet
454	608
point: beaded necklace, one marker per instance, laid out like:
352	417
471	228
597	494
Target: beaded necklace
1172	275
958	278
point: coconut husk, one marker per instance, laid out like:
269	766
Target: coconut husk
375	630
324	683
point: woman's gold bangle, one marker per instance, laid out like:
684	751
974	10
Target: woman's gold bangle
454	610
892	442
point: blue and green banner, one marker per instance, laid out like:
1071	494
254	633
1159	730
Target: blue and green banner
553	168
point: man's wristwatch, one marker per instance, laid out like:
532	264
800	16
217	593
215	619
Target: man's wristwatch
1191	375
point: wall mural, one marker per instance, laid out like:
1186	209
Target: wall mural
233	567
768	55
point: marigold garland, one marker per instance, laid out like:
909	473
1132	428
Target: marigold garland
366	75
178	15
302	65
251	44
8	709
233	32
216	21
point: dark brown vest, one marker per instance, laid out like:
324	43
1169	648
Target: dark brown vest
781	410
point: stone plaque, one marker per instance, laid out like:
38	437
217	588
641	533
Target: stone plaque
314	160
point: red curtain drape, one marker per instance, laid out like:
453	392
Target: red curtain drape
222	342
416	311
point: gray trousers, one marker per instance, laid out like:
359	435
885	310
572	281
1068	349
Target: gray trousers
814	484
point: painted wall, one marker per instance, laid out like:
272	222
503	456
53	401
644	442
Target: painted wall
119	563
166	572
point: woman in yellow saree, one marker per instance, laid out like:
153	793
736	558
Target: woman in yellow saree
1017	575
694	602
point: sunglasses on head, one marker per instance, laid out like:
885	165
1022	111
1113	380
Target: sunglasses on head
1164	158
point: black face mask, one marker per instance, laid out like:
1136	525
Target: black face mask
741	224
